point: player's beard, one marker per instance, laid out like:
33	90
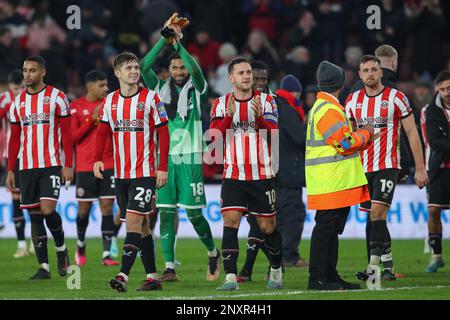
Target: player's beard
372	84
33	84
181	83
446	101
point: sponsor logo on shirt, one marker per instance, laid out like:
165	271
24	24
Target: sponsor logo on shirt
129	125
244	126
376	122
36	118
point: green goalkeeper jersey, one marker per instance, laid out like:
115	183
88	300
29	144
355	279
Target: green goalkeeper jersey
185	128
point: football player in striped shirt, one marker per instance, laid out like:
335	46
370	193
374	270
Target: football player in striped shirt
15	86
386	109
40	132
248	120
137	121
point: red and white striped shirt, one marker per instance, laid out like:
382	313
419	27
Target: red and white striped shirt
248	154
446	162
384	112
40	138
133	121
6	98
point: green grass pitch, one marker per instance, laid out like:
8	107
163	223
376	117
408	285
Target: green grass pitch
408	257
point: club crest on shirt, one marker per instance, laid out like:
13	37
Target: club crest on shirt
384	104
141	106
47	100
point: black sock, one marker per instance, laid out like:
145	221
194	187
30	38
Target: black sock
255	241
368	228
107	231
19	220
435	241
39	237
253	245
230	249
386	258
378	237
82	223
131	246
148	254
54	224
273	245
117	228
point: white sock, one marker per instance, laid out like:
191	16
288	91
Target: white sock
45	266
153	276
105	254
61	249
123	275
386	257
170	265
374	260
81	244
212	253
22	244
231	277
436	257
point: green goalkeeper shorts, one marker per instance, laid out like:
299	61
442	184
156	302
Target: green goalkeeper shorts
184	186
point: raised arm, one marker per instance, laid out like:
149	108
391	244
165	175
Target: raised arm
192	67
148	75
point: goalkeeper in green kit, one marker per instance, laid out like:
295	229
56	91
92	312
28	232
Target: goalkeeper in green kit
182	95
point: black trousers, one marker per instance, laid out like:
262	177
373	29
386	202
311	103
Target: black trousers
290	217
325	244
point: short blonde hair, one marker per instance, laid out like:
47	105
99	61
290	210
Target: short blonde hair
386	51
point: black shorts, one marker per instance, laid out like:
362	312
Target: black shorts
438	191
39	184
89	188
255	197
135	195
381	187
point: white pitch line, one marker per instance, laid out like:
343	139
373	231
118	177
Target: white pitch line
269	294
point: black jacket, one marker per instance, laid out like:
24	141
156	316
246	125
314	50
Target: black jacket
292	140
438	132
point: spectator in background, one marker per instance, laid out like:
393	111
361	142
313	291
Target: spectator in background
423	94
11	19
352	56
329	17
307	34
428	27
310	98
42	30
10	54
263	15
209	12
392	26
258	47
298	63
205	49
218	80
155	13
